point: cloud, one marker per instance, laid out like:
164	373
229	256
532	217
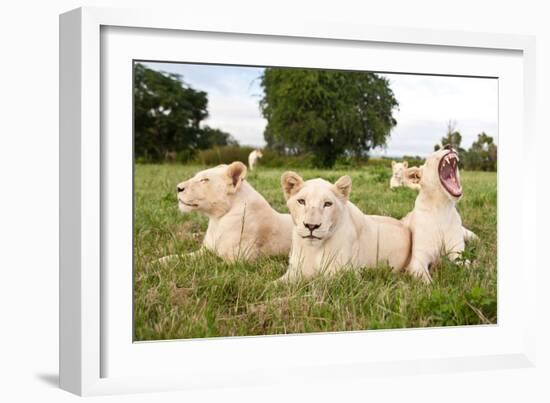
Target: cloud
238	115
426	104
233	97
419	137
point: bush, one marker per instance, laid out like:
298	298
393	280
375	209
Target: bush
183	157
379	162
475	160
228	154
386	161
274	159
381	174
414	160
223	155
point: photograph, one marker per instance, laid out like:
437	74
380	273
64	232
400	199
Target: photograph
276	200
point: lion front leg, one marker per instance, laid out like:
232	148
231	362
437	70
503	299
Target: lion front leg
291	275
297	270
419	268
454	248
425	252
456	258
469	235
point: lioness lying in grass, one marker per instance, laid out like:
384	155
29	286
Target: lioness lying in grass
399	178
330	233
242	224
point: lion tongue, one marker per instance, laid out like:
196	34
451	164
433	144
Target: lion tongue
448	176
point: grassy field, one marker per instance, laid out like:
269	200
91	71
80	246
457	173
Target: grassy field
208	298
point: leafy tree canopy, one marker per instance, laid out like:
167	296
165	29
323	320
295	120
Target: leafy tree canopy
326	113
453	138
482	155
215	137
168	115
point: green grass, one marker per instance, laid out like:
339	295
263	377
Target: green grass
207	297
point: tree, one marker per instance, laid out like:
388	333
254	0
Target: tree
215	137
167	113
327	113
452	138
482	155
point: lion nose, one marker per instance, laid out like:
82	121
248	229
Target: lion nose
180	189
312	227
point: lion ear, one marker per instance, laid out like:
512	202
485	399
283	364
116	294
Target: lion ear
236	172
405	164
291	183
414	174
343	186
392	164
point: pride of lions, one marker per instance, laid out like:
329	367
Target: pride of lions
325	232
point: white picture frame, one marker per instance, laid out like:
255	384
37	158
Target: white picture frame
97	356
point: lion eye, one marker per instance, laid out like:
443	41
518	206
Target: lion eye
204	180
302	202
327	204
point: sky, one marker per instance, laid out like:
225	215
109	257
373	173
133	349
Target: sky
426	105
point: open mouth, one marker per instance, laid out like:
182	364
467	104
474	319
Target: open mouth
448	174
188	204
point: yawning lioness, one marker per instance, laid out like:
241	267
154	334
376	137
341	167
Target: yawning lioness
435	223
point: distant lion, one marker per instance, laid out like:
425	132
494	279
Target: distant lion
242	224
254	158
330	233
435	223
399	178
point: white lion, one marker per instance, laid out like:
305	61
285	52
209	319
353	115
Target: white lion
242	224
254	158
399	178
331	233
435	223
